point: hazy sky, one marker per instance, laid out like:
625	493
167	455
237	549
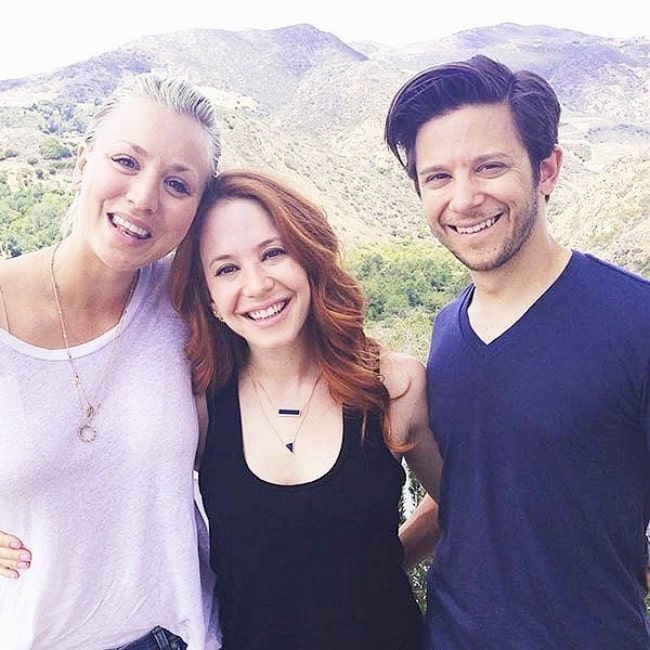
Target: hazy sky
40	35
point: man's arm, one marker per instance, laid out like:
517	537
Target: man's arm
419	533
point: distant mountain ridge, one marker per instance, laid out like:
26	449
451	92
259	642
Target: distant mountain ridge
310	107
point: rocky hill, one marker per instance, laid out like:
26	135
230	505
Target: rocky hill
306	105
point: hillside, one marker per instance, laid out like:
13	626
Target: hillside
306	105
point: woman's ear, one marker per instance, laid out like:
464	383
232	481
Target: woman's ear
215	311
82	159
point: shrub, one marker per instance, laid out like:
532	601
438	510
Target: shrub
7	153
53	149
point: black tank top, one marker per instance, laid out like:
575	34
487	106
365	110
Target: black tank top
314	566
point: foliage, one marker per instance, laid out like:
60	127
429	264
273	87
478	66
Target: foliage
9	152
5	189
30	217
406	283
406	276
408	332
51	117
54	149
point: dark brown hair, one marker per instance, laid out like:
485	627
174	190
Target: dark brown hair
480	80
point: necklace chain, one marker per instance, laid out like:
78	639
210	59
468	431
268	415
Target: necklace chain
303	411
86	432
285	411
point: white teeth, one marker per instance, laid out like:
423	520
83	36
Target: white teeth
267	313
130	228
477	228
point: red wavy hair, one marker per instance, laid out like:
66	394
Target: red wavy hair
348	358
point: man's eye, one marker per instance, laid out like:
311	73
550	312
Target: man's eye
436	179
491	168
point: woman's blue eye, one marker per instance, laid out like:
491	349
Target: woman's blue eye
179	186
126	161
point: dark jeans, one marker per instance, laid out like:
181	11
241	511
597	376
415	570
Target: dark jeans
158	639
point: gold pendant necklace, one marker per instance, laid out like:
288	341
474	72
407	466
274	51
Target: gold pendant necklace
86	432
300	412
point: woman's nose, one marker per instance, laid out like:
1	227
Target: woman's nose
256	280
143	193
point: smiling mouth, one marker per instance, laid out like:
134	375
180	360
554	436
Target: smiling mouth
128	228
269	312
483	225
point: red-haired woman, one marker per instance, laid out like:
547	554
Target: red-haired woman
301	475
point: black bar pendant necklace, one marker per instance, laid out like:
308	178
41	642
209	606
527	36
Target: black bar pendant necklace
284	412
290	412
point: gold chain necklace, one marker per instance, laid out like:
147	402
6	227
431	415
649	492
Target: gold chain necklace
301	412
86	432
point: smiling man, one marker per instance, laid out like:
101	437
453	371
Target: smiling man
538	383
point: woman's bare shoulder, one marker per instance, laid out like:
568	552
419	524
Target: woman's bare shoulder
24	266
22	281
23	275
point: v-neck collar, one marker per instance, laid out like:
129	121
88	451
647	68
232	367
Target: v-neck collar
512	332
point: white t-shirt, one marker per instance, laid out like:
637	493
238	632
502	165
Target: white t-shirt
112	524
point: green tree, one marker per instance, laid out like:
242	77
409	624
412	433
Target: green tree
54	149
31	219
409	275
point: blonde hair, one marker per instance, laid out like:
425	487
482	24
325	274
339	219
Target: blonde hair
176	93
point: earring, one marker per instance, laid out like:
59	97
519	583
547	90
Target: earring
217	315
